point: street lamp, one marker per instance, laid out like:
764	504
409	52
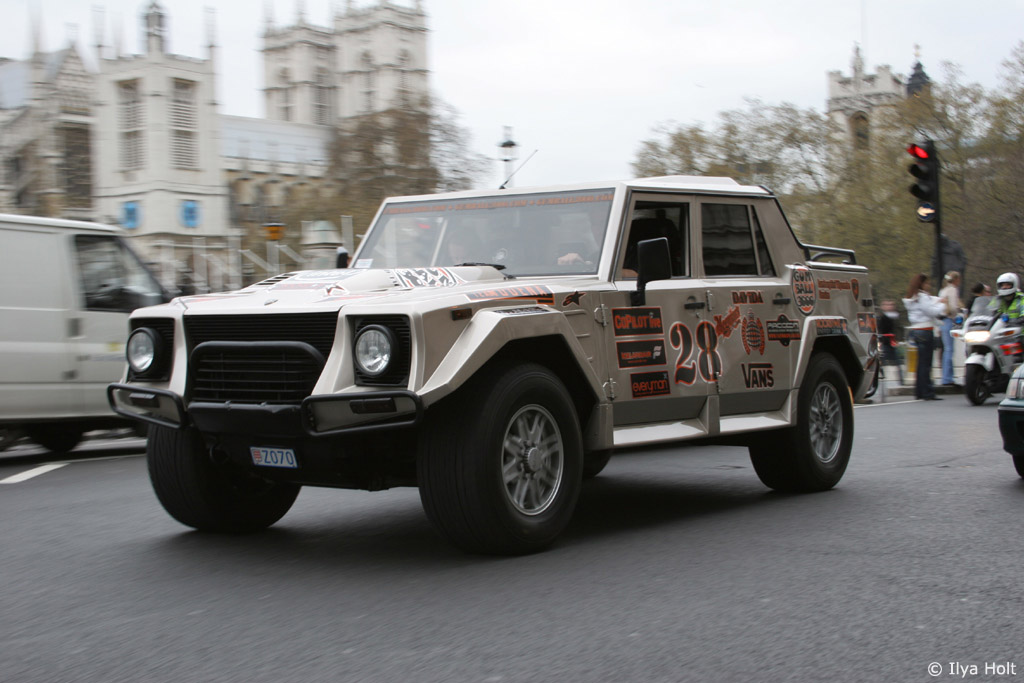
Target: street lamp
508	153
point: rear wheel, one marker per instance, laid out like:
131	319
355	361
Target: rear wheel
208	496
813	454
501	465
974	384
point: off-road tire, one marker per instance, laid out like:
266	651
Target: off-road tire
500	468
209	496
813	454
594	462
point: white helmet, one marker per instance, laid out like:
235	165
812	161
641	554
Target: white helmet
1007	285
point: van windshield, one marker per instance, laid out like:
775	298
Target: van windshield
551	233
112	277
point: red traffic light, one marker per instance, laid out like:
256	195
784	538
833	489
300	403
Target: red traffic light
918	151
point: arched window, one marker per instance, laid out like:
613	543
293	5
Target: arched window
322	98
369	82
284	79
861	129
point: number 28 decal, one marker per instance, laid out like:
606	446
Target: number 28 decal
708	362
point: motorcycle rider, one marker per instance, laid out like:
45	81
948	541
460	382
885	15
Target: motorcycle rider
1009	300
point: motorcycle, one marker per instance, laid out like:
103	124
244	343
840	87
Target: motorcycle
994	351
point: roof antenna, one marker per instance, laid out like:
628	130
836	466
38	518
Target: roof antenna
502	186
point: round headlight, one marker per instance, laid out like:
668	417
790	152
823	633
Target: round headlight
141	350
375	346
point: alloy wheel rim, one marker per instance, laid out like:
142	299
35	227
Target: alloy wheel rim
826	422
532	460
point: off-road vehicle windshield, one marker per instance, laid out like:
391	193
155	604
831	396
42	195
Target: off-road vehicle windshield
554	233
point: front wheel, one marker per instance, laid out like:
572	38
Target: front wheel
974	384
501	465
59	438
209	496
811	455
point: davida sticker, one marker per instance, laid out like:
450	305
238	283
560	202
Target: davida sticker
831	327
637	321
634	354
782	330
804	292
753	334
535	293
647	384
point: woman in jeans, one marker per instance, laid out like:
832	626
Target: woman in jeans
922	311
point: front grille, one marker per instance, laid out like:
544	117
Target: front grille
315	329
254	372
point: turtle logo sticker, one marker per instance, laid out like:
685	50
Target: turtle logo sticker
804	290
753	334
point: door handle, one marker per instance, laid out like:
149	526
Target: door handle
781	300
691	305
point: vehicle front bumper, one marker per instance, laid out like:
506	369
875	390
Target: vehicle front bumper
321	415
1011	425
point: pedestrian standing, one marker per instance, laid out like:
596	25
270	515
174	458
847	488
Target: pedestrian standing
950	295
889	336
923	310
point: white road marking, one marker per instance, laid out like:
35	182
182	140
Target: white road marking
25	476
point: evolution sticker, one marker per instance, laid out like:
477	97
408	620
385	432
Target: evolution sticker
753	334
647	384
804	291
831	327
633	321
635	354
537	293
758	375
783	330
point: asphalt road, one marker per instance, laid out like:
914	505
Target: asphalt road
679	566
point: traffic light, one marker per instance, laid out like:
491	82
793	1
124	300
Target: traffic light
274	231
926	169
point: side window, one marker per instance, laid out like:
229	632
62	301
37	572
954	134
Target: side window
652	219
728	243
112	278
764	259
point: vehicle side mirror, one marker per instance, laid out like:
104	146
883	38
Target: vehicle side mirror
654	262
341	258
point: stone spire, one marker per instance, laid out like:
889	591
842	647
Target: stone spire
918	81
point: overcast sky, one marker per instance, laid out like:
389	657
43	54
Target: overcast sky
584	81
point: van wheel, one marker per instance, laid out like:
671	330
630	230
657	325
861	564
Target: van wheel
207	496
811	455
501	466
55	438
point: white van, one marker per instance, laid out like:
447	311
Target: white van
66	289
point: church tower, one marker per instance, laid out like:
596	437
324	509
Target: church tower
856	102
158	166
372	59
